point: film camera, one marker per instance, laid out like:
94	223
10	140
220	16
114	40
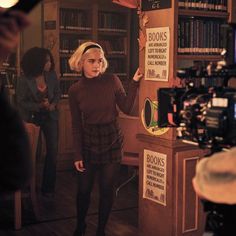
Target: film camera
206	116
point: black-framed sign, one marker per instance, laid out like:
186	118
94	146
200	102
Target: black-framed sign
149	5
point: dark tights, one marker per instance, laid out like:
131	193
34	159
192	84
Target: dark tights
107	177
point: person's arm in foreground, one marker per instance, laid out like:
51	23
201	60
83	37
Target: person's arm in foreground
10	28
15	150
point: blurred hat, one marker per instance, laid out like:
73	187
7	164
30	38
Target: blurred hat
215	178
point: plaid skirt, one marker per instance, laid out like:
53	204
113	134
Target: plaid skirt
102	143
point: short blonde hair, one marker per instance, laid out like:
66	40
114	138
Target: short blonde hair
76	60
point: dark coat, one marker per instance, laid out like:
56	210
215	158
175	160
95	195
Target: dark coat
27	100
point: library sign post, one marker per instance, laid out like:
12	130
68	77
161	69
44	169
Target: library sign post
157	54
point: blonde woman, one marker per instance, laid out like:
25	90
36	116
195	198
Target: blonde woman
97	137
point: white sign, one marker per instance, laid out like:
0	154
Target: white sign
157	54
154	176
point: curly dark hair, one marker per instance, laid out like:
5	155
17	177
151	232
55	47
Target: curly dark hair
34	60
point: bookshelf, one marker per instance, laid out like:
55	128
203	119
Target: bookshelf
204	33
9	71
181	211
115	25
67	24
201	30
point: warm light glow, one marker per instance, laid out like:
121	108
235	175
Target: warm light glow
8	3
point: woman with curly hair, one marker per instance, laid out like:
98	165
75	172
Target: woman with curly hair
38	94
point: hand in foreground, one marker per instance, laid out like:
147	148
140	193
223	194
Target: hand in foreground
137	75
79	165
10	28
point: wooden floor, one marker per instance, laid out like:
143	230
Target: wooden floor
58	216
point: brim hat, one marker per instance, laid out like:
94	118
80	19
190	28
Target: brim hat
215	178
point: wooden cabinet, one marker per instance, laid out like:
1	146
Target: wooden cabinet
65	136
171	207
180	212
129	127
65	142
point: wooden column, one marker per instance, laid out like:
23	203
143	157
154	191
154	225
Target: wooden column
178	211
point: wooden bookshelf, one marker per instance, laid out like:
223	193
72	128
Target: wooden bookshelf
67	24
200	33
203	13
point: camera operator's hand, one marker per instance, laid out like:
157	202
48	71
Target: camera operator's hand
10	28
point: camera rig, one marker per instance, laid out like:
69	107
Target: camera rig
204	111
204	115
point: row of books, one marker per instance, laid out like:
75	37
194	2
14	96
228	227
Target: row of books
65	68
117	66
199	36
112	47
110	20
69	43
207	5
74	19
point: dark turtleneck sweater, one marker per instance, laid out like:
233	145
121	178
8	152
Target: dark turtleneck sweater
95	101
